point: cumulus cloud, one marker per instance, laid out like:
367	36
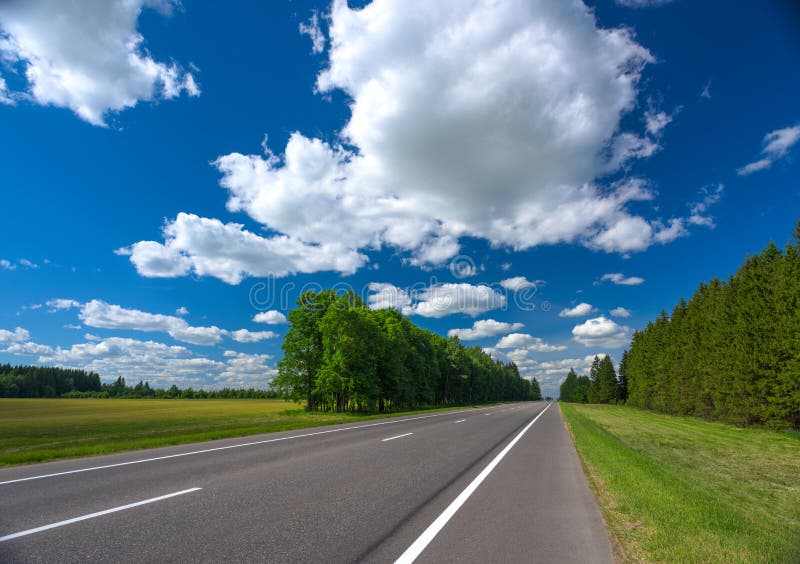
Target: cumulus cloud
312	30
601	332
519	283
97	313
777	144
492	120
620	312
271	317
18	335
441	300
159	363
527	342
229	252
58	304
6	264
579	310
620	279
437	300
245	336
656	121
86	56
484	328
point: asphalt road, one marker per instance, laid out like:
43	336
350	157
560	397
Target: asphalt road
500	484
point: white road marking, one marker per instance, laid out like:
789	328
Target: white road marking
487	413
460	420
397	437
252	443
413	551
93	515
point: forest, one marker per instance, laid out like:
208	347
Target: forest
52	382
339	355
732	352
602	385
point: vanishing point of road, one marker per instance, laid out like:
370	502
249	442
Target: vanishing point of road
496	484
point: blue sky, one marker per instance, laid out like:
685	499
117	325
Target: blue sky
167	167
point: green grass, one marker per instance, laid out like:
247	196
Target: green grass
679	489
36	430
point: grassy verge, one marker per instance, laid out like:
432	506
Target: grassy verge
678	489
36	430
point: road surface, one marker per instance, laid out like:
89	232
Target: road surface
498	484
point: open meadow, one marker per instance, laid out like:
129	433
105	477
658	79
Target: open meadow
36	430
678	489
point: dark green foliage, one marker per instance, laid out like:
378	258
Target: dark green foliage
601	386
732	352
341	356
45	381
50	382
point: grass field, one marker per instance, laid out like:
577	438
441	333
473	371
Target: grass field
678	489
35	430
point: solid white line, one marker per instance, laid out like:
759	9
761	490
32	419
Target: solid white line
93	515
397	437
265	441
413	551
460	420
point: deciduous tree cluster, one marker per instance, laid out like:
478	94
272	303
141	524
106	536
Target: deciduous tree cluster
341	356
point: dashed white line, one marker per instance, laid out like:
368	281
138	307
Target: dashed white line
460	420
252	443
396	437
93	515
433	529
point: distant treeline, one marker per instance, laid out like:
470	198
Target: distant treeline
341	356
602	385
52	382
732	352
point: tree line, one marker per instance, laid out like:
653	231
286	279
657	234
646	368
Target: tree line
601	385
732	352
339	355
52	382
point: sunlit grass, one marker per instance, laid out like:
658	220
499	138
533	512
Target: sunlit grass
36	430
678	489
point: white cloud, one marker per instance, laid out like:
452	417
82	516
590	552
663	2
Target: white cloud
245	371
97	313
777	144
18	335
527	342
8	265
182	311
412	168
28	264
271	317
437	300
87	56
73	326
58	304
313	30
441	300
519	283
229	252
656	121
601	332
5	98
706	93
579	310
710	196
388	296
161	364
620	312
484	328
620	279
245	336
